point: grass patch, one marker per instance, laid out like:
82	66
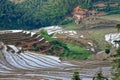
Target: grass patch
77	52
75	48
80	55
72	26
98	35
111	17
44	33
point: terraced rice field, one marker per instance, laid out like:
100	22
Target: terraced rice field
27	65
32	66
14	64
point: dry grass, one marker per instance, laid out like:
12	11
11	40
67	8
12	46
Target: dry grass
115	17
96	32
72	26
99	35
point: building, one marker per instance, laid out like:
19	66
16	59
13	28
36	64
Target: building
79	14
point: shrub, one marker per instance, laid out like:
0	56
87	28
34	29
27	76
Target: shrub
44	33
76	76
66	21
36	49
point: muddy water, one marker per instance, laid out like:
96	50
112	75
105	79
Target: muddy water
87	70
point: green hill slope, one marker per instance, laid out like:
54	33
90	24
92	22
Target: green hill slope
31	14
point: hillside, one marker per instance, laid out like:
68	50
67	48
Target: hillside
50	39
32	14
26	40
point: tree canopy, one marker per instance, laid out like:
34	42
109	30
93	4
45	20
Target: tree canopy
31	14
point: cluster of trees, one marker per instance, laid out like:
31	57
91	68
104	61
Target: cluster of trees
32	14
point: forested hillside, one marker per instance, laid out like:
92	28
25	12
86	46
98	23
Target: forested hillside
31	14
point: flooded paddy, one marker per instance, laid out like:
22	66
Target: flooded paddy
87	70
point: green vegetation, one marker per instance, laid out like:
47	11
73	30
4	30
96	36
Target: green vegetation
65	49
77	52
72	26
115	17
118	27
44	33
98	36
58	45
67	21
31	14
88	4
35	47
70	50
110	6
75	48
76	76
116	62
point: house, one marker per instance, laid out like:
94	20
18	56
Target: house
79	14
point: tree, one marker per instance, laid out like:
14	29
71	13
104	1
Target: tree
118	27
76	76
87	4
31	14
116	61
108	8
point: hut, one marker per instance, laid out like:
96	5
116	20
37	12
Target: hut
79	14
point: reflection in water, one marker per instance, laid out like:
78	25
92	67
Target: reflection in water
54	69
